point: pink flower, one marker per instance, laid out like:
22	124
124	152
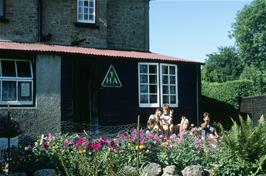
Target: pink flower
79	141
67	142
142	141
50	137
96	145
133	138
103	140
45	146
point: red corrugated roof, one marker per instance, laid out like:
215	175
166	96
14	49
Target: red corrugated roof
37	47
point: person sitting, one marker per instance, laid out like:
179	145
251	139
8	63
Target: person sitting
153	123
166	120
208	132
184	126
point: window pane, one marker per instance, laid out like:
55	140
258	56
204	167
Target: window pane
80	10
153	89
153	79
144	89
8	68
153	98
143	98
173	99
86	3
23	69
172	90
143	69
91	17
143	78
165	69
24	91
172	79
85	17
1	8
91	4
165	99
91	11
165	90
152	69
9	91
80	3
86	10
165	79
172	70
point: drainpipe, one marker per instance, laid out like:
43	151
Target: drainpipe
198	93
40	21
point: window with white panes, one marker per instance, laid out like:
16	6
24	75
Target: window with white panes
169	84
86	11
148	85
157	85
16	82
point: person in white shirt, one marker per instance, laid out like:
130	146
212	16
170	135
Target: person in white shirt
166	120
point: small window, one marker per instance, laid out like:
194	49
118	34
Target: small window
169	84
86	11
16	82
148	85
2	8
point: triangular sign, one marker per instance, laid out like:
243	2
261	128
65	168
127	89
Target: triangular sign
111	78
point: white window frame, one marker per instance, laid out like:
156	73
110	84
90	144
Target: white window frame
139	84
159	85
176	84
16	79
82	20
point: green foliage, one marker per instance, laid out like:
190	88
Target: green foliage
229	91
257	76
243	149
221	66
249	31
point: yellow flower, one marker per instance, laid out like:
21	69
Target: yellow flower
82	151
164	144
140	147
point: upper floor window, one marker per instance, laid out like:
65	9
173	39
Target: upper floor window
2	8
157	85
16	82
86	11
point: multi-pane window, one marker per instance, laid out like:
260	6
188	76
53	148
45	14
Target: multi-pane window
157	87
2	8
148	85
169	84
16	82
86	11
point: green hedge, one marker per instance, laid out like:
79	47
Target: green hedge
229	91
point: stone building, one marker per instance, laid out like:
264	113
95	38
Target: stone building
87	61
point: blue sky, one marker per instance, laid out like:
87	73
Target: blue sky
192	29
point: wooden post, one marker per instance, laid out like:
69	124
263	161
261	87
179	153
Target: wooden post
8	137
138	141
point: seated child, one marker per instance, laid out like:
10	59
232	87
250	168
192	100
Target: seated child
166	120
154	121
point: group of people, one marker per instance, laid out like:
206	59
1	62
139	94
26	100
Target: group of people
162	122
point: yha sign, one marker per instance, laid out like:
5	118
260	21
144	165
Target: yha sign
111	78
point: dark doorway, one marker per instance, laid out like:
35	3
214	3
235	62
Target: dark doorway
86	92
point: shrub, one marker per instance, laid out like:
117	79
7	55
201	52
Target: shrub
228	92
243	149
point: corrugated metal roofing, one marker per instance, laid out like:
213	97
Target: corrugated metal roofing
38	47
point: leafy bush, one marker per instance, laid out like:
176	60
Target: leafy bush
229	91
243	149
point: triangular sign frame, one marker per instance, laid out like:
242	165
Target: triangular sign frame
111	78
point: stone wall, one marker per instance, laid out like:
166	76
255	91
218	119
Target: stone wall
128	24
23	21
45	116
60	16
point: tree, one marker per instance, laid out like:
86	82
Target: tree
249	31
221	66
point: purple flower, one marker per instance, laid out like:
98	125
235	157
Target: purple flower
133	138
45	146
49	137
67	142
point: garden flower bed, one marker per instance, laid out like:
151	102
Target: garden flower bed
242	151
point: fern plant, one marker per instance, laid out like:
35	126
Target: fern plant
243	149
